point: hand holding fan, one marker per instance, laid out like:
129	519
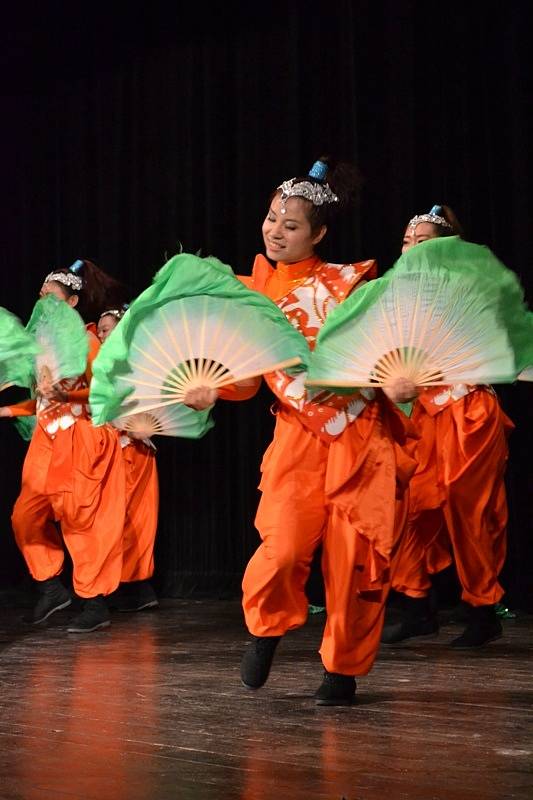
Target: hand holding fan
196	326
428	327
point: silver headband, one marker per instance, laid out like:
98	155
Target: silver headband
113	312
74	282
434	219
316	193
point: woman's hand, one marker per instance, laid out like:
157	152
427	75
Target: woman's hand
401	390
200	398
5	411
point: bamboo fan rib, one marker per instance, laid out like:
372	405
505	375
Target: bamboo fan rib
427	327
198	341
526	374
178	420
196	325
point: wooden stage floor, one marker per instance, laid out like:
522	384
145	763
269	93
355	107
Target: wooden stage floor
152	709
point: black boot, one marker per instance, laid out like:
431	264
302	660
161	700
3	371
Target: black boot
417	620
53	598
483	627
336	690
134	596
257	660
95	614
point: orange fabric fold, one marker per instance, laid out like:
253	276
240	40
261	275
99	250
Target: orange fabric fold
77	478
458	504
142	506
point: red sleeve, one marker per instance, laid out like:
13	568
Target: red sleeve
27	408
233	392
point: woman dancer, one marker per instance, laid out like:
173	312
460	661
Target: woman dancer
73	474
142	503
457	496
333	471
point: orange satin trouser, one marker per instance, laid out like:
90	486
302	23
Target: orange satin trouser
342	495
142	504
78	480
467	518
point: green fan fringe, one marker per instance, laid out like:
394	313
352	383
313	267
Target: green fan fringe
184	275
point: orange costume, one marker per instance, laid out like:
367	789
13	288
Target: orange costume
142	504
73	474
457	495
329	477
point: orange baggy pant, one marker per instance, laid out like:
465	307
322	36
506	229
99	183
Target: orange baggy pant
467	516
77	478
342	495
142	504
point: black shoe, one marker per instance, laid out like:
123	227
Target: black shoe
54	597
257	660
417	620
134	596
95	615
336	690
483	627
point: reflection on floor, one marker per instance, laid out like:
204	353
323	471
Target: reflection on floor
152	708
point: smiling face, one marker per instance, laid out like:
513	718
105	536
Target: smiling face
106	324
419	233
288	237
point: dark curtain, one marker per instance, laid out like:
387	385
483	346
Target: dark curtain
129	131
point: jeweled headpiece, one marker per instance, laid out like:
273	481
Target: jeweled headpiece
316	193
434	217
117	313
70	278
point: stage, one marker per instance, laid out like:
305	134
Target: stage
152	708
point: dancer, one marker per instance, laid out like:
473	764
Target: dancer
73	474
333	471
135	592
457	502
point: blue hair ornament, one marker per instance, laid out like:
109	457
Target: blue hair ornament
76	267
318	171
436	211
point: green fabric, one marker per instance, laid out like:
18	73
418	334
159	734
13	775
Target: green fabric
406	408
186	281
61	335
460	282
479	263
17	351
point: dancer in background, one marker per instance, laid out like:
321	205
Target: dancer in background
135	592
457	505
333	472
73	474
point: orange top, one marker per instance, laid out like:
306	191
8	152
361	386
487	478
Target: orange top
306	292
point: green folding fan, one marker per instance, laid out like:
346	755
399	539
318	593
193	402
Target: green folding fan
196	325
60	333
17	352
478	263
175	420
432	326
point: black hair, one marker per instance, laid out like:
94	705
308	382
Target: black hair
99	290
344	180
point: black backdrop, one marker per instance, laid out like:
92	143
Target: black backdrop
129	128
